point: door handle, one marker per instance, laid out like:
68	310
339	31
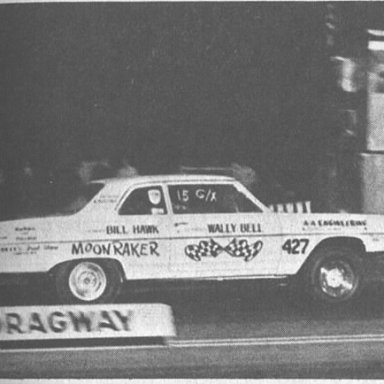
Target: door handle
181	223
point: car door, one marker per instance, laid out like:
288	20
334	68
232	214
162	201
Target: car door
139	232
219	230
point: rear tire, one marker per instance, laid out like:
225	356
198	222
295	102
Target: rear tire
88	281
333	275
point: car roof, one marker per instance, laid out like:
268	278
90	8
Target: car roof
164	179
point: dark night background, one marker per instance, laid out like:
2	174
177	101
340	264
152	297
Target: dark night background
166	84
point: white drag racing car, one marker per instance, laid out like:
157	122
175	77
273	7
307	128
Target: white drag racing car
187	227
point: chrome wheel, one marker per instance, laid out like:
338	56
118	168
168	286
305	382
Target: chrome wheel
337	279
87	281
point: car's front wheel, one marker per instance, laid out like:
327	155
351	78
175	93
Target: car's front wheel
88	281
334	274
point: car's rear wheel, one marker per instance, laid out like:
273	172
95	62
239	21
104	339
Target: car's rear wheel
334	274
88	281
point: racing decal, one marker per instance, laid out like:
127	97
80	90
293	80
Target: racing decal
106	199
24	229
51	247
232	228
32	249
136	229
117	248
221	228
145	229
26	238
28	249
13	249
24	233
206	194
236	248
295	246
116	230
335	223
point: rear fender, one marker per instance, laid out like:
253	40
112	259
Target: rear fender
292	262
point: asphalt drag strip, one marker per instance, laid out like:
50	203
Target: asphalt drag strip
341	356
298	340
233	332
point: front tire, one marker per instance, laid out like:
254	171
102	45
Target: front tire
88	281
333	275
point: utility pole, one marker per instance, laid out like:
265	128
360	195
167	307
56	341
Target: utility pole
371	157
357	53
346	44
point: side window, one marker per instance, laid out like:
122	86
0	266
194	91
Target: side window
144	201
209	198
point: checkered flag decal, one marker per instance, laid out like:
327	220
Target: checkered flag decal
236	248
241	248
203	249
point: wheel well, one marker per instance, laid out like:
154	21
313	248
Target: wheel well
349	242
342	241
53	270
